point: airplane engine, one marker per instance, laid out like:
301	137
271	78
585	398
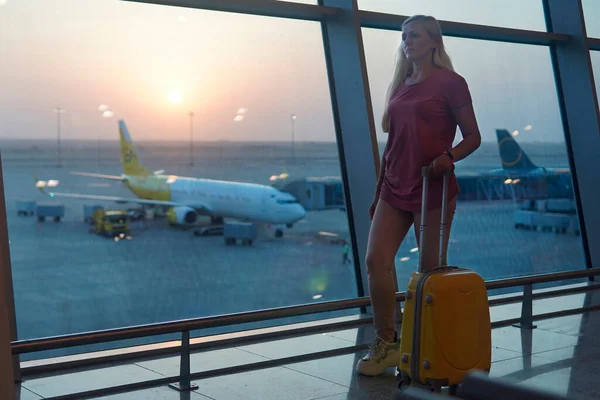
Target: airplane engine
182	216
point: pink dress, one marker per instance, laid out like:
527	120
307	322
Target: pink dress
422	127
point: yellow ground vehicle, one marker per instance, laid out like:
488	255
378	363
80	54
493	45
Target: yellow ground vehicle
111	223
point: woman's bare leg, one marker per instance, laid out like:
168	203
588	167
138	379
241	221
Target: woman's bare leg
388	229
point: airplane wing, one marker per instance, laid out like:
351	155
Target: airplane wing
44	185
201	208
100	176
116	199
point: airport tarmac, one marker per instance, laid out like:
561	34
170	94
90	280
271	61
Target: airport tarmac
67	280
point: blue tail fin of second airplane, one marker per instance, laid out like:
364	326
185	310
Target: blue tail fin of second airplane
511	154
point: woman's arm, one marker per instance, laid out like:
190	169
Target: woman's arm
465	117
380	180
378	188
381	170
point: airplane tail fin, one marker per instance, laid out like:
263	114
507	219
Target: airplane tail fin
511	154
131	163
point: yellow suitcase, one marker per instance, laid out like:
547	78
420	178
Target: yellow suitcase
446	328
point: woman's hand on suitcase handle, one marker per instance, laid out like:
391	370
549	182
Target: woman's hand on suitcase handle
441	165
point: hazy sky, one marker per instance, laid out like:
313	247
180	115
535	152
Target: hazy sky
152	65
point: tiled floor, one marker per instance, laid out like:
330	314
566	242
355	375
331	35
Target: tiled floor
562	356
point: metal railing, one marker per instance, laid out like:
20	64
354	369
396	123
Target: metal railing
183	380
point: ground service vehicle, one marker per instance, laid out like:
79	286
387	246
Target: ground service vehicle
233	231
26	207
55	211
111	223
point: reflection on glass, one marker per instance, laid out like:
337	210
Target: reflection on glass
591	10
527	14
211	237
595	56
516	213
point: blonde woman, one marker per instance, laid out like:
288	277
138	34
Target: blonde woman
425	103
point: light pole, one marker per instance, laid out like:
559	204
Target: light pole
191	138
293	135
106	114
58	111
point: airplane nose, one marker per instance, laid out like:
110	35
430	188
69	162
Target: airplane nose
300	212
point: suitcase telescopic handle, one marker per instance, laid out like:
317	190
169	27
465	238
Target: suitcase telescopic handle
426	172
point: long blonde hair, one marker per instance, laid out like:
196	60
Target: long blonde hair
403	67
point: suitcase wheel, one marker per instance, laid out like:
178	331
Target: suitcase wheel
452	390
403	380
435	388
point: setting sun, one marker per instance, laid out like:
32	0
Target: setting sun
175	97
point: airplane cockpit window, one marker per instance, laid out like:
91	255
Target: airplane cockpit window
287	201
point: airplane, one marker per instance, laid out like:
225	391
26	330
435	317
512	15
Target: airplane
516	165
186	198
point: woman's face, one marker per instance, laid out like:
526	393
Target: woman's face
416	43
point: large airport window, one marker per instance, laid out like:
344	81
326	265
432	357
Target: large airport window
156	163
515	214
591	10
527	14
